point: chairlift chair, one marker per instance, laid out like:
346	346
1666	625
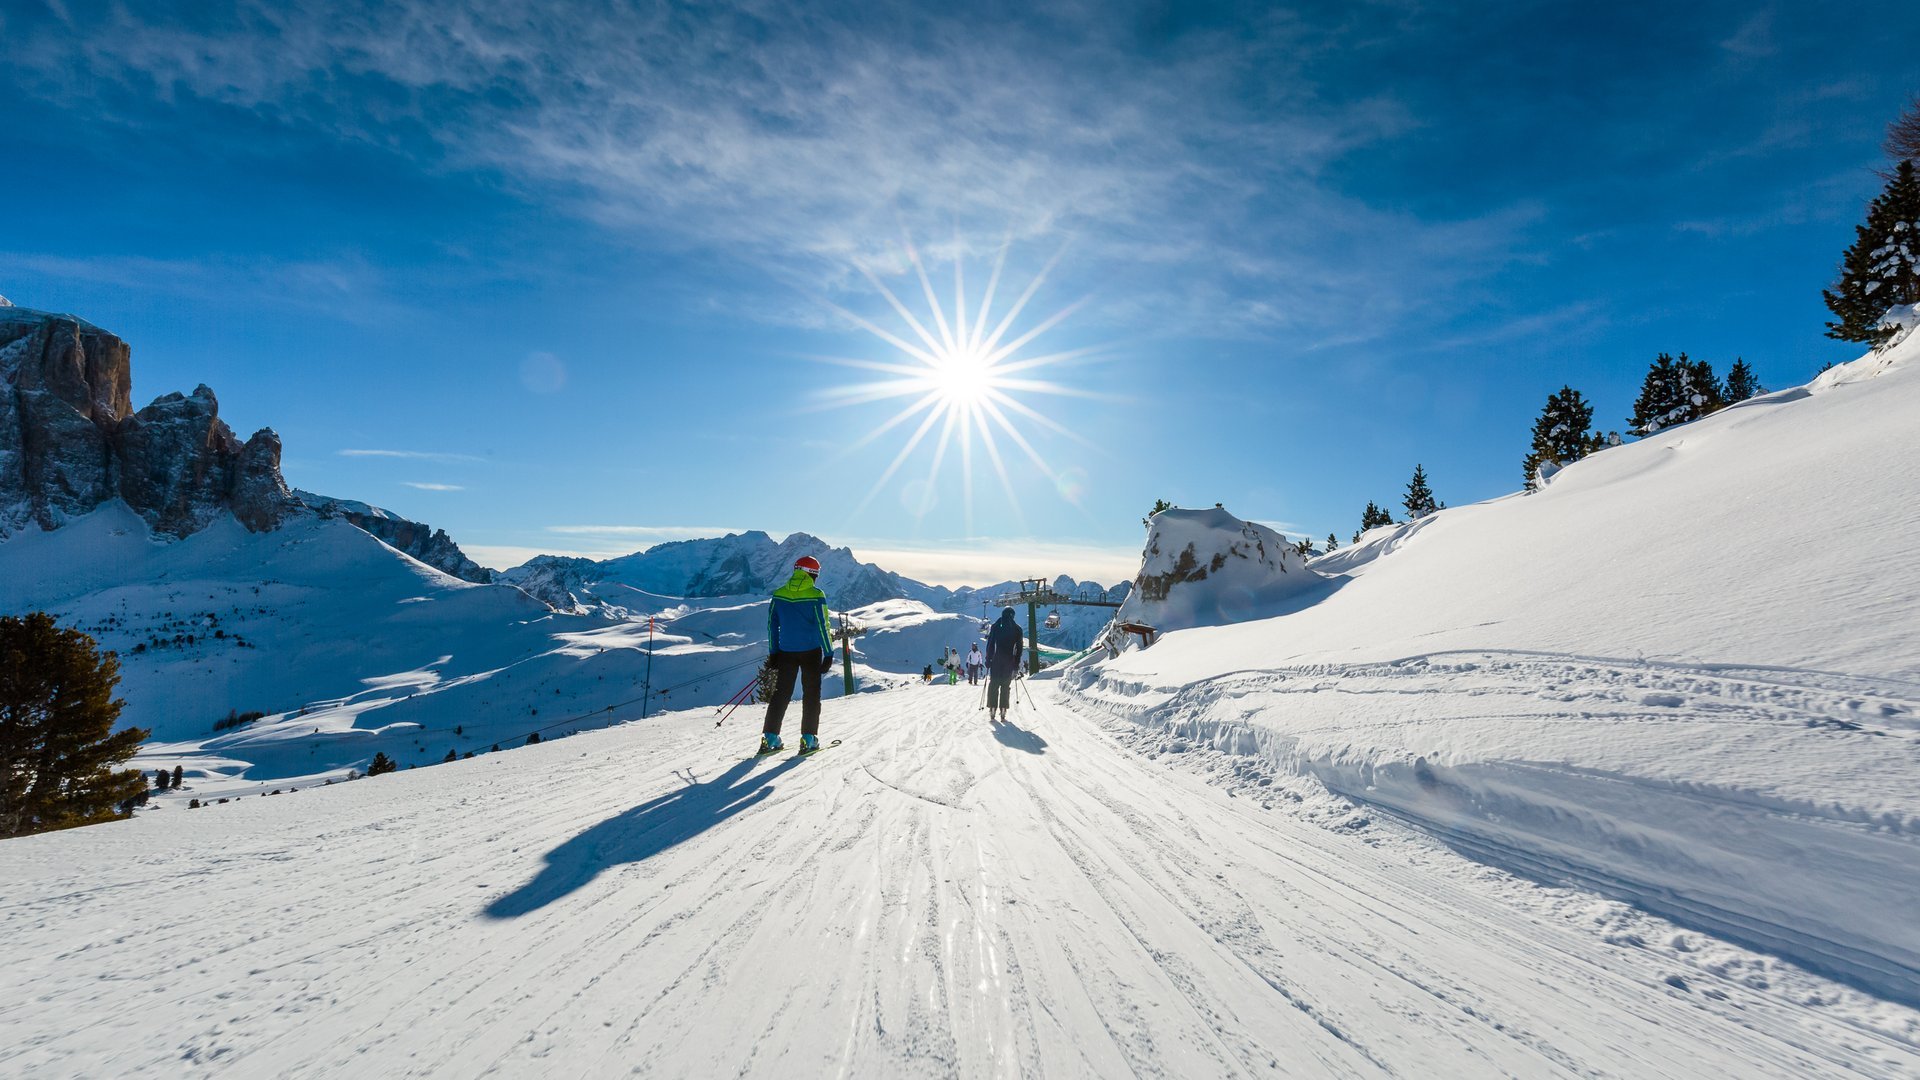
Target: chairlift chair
1053	620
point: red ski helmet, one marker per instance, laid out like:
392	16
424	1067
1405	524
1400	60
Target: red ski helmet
808	563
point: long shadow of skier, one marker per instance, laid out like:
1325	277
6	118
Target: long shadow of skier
640	833
1019	738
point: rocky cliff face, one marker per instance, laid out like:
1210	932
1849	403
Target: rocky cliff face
70	440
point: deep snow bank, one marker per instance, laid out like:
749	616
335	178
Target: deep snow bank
1686	673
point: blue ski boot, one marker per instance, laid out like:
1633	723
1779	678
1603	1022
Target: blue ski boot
769	744
809	743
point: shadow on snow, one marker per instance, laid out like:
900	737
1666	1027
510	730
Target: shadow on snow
1019	738
641	833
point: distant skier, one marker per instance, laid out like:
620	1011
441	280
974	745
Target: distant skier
799	643
927	675
975	662
1003	660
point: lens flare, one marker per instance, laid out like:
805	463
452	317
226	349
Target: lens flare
964	383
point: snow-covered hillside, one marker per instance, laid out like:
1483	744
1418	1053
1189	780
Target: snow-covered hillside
1685	674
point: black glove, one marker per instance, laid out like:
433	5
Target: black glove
826	662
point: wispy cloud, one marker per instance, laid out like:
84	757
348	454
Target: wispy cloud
422	485
655	533
802	141
412	455
350	290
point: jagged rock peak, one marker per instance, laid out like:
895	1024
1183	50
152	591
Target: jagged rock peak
70	440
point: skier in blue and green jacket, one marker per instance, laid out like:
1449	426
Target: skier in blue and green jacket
799	643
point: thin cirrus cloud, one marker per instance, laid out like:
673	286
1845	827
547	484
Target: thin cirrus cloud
804	140
422	485
413	455
656	533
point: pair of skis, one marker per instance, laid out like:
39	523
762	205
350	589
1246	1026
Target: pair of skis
803	752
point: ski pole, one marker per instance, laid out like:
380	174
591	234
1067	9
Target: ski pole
738	699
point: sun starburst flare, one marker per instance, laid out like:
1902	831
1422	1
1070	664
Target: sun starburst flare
962	378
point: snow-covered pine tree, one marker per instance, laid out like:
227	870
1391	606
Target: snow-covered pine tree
1881	271
1419	499
1741	384
1674	392
1559	434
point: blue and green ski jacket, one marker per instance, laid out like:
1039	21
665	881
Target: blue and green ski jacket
797	617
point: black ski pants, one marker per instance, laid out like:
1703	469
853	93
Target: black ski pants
785	666
999	687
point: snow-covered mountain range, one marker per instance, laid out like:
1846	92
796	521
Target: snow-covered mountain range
344	629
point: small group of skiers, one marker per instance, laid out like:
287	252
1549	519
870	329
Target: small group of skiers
800	647
952	666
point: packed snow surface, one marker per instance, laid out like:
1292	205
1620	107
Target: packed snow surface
1685	674
937	896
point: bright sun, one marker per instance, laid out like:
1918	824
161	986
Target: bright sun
962	377
958	375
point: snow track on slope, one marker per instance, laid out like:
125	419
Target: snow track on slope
938	897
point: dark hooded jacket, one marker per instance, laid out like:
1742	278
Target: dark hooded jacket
1003	646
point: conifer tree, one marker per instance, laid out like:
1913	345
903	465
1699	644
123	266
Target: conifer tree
451	756
1332	543
533	739
1304	548
1372	518
1674	392
1419	499
160	778
1741	384
58	748
1158	505
1559	434
1881	270
381	764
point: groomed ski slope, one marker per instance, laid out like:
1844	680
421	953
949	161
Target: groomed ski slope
936	897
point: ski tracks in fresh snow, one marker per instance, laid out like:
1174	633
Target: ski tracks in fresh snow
938	897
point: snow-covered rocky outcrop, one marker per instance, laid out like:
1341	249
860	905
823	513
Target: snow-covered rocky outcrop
417	539
70	442
1208	568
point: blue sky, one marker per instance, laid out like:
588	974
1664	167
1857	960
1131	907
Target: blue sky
557	277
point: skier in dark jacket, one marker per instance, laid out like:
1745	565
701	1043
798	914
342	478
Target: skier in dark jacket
799	644
1003	660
